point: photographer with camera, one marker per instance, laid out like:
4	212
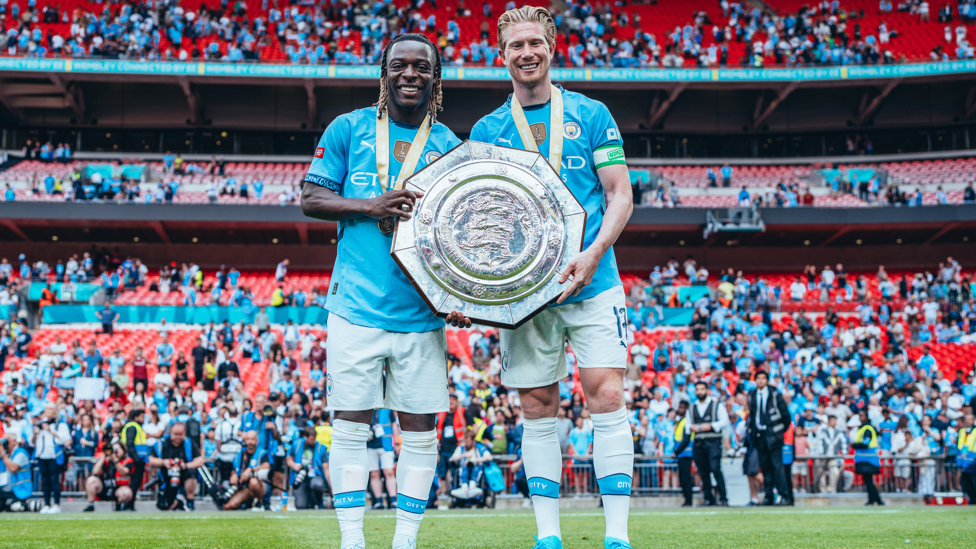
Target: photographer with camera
177	460
251	469
15	474
307	475
261	421
109	480
51	434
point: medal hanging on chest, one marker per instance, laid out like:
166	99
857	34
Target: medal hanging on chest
409	160
532	137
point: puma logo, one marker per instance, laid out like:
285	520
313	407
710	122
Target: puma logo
371	146
509	140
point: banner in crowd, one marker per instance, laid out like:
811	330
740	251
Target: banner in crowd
62	314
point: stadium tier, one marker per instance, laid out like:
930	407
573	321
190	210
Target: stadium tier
277	183
699	32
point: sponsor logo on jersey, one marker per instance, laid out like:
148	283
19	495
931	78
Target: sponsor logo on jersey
400	150
539	132
431	156
371	146
612	134
573	162
572	130
319	152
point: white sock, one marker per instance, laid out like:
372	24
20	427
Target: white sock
543	462
613	463
414	476
348	460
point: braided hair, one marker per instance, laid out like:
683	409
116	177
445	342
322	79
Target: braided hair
436	96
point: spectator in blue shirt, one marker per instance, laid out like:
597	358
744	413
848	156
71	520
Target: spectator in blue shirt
726	175
107	317
164	351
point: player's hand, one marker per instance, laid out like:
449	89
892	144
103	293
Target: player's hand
581	268
457	319
391	204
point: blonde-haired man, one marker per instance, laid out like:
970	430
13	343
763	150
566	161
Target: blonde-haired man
581	141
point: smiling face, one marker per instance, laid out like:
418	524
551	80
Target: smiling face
410	75
528	53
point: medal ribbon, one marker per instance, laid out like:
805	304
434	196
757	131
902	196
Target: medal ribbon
413	155
555	128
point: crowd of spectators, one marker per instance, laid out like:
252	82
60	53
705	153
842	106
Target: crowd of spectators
590	34
828	366
80	186
117	274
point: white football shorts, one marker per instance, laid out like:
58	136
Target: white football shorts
415	365
534	354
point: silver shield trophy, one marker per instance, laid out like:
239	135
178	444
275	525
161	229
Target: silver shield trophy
491	234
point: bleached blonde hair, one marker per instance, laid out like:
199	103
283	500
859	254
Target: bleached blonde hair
534	14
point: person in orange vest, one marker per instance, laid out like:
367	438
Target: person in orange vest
448	429
48	297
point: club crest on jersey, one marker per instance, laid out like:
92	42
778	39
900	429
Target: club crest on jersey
328	384
400	150
572	130
505	362
431	156
319	152
539	132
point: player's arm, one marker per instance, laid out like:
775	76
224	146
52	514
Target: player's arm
320	202
611	169
322	188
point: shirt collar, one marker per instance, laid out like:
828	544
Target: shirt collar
508	103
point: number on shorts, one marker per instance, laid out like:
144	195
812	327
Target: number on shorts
621	315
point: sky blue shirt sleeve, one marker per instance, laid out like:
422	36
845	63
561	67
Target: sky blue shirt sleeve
479	133
602	129
328	167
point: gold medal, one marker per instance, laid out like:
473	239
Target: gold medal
533	136
386	225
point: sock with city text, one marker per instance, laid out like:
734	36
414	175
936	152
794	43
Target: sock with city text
543	463
613	464
348	459
414	476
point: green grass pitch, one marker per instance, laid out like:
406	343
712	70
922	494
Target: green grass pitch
907	527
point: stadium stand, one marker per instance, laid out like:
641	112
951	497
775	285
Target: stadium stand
933	182
670	34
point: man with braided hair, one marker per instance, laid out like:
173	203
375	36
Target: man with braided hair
582	143
378	324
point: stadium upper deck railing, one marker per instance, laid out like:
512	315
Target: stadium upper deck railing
371	72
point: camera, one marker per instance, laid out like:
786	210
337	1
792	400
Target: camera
174	473
300	478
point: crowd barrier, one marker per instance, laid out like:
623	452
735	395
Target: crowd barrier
657	476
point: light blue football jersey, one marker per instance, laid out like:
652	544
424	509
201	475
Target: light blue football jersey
589	136
368	288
